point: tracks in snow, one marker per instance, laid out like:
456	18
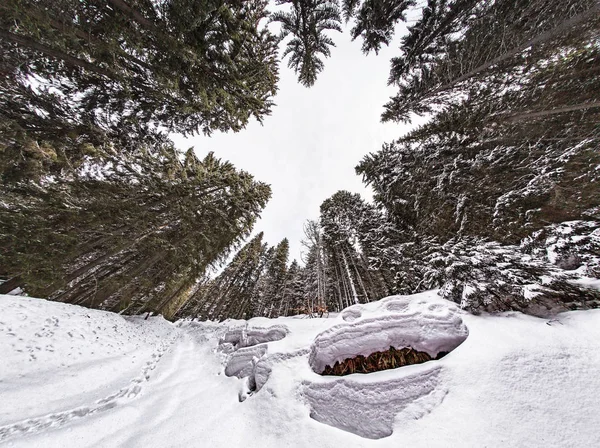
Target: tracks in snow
129	392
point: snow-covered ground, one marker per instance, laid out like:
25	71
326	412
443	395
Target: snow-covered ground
74	377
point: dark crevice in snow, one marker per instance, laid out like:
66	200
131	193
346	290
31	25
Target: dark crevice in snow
380	360
418	331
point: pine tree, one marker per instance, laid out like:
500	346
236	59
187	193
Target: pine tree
482	45
375	20
486	168
315	274
270	288
307	22
350	229
129	235
293	292
230	293
180	64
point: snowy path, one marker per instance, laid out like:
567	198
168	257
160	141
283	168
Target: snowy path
516	381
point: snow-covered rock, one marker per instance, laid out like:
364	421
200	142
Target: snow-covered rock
245	337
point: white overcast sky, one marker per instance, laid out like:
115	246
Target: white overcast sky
308	147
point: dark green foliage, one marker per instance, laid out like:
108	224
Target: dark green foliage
350	229
256	282
574	245
42	135
375	20
485	168
307	22
426	40
293	294
486	276
182	64
133	234
510	148
231	293
497	43
98	208
270	287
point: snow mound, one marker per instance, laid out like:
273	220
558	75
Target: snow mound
425	324
149	383
247	349
247	337
370	409
241	362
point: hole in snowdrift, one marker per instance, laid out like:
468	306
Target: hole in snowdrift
384	360
387	341
370	406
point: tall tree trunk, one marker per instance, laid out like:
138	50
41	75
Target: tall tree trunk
349	274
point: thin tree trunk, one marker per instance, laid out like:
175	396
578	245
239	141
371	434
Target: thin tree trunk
350	281
359	278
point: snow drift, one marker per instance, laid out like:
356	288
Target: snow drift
427	325
115	381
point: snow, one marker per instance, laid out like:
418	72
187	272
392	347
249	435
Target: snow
71	376
426	324
588	282
369	408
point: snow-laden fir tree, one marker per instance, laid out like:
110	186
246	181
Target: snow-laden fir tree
307	23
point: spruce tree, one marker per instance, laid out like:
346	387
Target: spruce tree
186	65
293	291
315	274
230	293
351	228
129	235
484	44
307	22
269	291
375	20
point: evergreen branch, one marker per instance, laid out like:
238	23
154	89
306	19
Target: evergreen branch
56	54
559	110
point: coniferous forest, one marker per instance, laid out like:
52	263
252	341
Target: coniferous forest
495	199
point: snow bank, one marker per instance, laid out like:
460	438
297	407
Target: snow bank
369	408
247	349
420	322
241	362
63	362
516	380
248	336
